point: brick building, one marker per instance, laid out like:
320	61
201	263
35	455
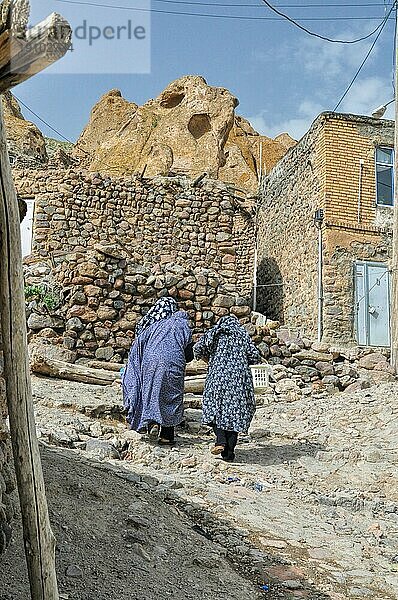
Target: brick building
342	168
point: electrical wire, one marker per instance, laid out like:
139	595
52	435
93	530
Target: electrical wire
236	17
394	58
366	58
317	35
56	130
377	282
229	5
43	121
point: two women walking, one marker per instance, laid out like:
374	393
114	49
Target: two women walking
153	382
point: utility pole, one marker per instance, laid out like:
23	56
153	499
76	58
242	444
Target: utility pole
394	266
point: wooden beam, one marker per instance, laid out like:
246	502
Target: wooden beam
63	370
26	53
38	537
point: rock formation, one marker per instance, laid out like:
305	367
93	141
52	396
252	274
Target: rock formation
26	143
191	128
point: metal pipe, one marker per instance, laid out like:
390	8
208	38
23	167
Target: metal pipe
255	277
318	220
361	163
320	283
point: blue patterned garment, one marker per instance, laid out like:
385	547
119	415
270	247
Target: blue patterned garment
228	399
153	381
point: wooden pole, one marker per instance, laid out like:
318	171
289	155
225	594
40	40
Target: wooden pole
23	53
394	269
38	537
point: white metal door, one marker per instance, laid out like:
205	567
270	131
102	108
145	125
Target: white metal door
372	296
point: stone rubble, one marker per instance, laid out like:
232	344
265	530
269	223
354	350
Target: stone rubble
314	486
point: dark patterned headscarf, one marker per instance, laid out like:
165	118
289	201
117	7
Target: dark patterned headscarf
228	325
163	309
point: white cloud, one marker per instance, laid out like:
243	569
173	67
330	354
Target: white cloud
296	127
366	95
319	73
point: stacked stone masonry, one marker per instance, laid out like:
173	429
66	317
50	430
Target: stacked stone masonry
331	168
287	239
110	247
7	485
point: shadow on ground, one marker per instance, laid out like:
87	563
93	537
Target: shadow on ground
268	455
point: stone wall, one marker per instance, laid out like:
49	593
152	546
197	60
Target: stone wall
7	484
110	247
343	248
299	366
287	238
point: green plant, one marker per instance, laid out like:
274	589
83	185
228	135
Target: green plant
50	300
43	295
33	292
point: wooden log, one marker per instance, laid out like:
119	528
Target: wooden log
38	538
22	57
191	401
194	385
107	366
63	370
196	367
42	365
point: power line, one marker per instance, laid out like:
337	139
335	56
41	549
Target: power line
366	58
56	130
394	57
229	5
239	17
296	24
42	120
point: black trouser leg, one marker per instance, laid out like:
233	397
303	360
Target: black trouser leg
221	435
232	439
167	433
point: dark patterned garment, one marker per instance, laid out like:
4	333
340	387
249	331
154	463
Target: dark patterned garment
228	399
153	381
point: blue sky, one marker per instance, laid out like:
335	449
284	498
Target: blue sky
282	77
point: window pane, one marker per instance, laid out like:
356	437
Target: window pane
384	155
384	185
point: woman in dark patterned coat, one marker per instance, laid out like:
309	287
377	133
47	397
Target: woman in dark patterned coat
153	381
228	399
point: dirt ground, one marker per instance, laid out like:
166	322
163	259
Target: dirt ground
308	510
118	542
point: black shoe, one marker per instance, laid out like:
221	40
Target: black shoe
228	457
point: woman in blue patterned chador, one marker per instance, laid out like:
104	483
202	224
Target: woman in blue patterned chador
228	399
153	381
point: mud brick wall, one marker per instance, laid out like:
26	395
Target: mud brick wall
112	246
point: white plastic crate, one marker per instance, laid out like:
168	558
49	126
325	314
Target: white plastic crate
260	374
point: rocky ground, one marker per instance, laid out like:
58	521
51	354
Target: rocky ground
309	510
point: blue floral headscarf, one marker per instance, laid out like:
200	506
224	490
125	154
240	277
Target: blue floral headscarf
163	309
